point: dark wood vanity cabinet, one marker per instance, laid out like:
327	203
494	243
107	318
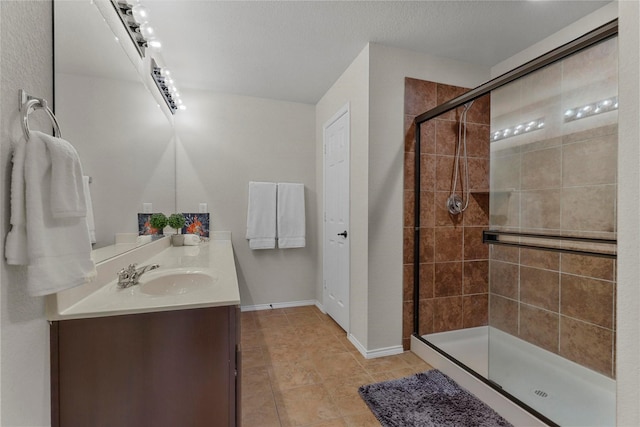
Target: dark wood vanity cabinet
172	368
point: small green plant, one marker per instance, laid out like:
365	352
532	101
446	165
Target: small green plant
176	221
158	221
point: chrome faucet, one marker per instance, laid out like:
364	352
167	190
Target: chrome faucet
130	275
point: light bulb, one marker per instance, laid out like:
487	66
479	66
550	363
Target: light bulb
155	44
140	14
147	31
182	107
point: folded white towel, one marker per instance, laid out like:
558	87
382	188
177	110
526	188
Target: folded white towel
16	244
67	190
58	250
261	215
87	197
291	216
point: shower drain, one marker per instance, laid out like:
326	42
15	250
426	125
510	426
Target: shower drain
540	393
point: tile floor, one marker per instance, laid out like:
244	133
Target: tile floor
299	369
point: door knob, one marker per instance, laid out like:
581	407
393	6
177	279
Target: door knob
343	234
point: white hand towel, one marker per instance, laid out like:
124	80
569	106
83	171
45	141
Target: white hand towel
291	216
87	197
66	178
16	243
58	249
261	215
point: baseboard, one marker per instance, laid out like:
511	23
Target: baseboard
378	352
278	305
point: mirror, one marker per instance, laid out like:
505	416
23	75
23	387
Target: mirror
124	139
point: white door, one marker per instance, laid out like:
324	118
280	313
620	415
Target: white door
336	218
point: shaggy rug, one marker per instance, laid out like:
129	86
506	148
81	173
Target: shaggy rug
427	399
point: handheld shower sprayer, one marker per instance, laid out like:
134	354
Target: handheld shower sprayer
456	204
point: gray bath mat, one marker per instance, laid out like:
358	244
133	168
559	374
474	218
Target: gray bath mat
427	399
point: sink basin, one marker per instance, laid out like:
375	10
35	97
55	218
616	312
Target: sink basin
177	283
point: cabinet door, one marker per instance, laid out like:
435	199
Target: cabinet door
154	369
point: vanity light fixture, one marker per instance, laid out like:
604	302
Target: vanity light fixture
519	129
131	22
599	107
166	86
135	18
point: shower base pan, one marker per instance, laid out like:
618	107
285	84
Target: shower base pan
565	392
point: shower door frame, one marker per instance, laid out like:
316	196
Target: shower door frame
602	33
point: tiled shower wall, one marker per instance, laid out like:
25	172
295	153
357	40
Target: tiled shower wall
559	180
453	264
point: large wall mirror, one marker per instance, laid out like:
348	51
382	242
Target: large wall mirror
124	139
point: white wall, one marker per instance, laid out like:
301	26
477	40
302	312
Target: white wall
24	357
225	141
374	87
351	88
628	272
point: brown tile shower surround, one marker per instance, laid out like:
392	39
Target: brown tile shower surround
563	303
453	260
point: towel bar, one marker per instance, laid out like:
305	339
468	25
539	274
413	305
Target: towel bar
28	103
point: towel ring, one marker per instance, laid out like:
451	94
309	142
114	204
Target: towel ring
29	103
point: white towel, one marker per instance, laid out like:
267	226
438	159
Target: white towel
91	225
66	178
261	215
16	244
291	216
58	251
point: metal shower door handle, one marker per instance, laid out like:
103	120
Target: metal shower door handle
343	234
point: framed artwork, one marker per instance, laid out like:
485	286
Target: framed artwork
144	228
196	223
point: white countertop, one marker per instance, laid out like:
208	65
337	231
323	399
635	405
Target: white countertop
104	298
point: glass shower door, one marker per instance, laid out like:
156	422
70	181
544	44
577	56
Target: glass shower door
553	184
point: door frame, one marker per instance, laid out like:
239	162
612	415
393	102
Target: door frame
344	110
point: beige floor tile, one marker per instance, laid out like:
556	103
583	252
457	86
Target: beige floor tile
260	411
285	352
411	358
271	322
286	375
366	419
266	313
338	422
251	339
347	398
254	381
299	369
304	317
323	344
383	364
252	357
305	405
392	375
337	365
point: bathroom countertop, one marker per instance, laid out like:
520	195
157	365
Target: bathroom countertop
104	298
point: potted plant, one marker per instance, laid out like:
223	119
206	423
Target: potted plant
158	221
176	221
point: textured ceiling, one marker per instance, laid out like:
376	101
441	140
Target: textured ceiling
295	50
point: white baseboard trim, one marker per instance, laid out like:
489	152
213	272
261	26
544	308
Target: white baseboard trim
378	352
275	305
